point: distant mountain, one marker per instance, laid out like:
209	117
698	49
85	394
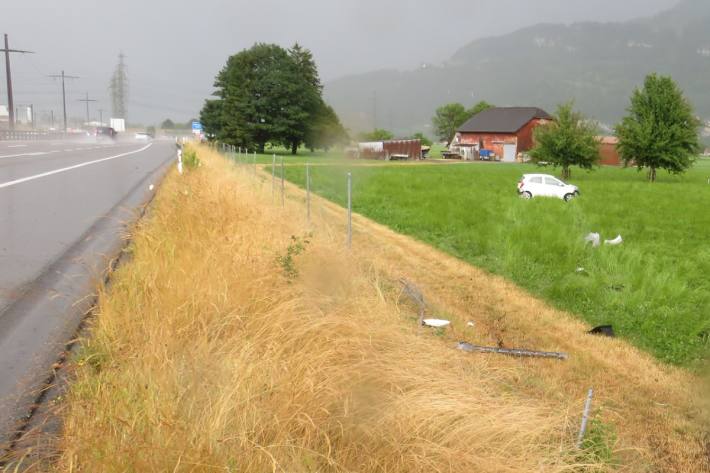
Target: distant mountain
596	64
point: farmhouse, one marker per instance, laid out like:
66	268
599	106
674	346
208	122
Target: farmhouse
499	134
608	152
391	150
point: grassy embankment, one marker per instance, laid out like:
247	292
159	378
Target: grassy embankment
238	339
654	289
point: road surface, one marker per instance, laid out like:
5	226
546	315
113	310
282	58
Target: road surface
63	206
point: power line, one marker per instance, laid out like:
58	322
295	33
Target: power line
87	100
64	95
8	74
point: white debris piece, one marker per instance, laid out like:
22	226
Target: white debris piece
594	238
471	324
151	187
436	323
581	270
615	242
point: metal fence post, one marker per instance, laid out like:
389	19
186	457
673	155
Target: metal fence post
273	178
585	418
308	193
283	190
254	163
350	210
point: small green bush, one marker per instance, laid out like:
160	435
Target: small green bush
190	158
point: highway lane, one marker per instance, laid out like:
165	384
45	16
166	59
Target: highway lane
41	218
57	202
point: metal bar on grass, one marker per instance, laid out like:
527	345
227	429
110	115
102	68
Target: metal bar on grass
467	347
585	418
350	210
308	193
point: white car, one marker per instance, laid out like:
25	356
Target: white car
142	136
544	185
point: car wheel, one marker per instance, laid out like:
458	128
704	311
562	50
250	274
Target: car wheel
526	195
569	197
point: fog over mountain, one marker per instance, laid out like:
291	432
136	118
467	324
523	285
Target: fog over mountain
596	64
174	48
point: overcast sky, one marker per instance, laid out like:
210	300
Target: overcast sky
174	48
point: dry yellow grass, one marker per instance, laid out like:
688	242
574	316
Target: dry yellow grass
207	356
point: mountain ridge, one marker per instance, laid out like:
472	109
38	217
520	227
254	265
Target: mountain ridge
595	64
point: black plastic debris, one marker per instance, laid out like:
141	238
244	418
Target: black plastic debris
603	330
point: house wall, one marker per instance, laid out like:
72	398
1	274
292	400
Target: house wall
495	141
526	137
491	141
383	149
609	155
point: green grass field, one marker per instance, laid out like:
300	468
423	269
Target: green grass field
654	289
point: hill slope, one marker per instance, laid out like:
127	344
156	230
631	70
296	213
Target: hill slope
597	64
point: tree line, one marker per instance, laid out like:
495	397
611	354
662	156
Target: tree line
268	94
660	131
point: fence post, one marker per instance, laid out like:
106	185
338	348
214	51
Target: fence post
350	210
283	190
585	418
254	163
308	193
273	178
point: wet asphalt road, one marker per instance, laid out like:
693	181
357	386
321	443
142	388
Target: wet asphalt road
58	200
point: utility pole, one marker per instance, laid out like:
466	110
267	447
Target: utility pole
101	116
8	74
86	101
64	94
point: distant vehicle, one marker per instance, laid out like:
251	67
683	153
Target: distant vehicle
544	185
143	136
104	132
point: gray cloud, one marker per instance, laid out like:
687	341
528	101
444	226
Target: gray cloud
174	48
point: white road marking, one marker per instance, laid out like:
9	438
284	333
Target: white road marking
36	153
42	153
71	168
17	146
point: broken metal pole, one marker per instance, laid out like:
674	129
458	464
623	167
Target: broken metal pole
585	418
467	347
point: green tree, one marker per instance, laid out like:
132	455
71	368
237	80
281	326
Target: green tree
423	138
478	108
570	140
448	119
211	118
660	130
167	124
326	131
265	94
378	134
305	103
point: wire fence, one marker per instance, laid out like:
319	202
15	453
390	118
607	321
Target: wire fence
247	159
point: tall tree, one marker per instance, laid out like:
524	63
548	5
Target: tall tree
167	124
660	130
326	131
570	140
478	108
305	98
378	134
423	138
448	119
265	94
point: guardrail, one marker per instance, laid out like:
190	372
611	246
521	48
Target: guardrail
32	135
